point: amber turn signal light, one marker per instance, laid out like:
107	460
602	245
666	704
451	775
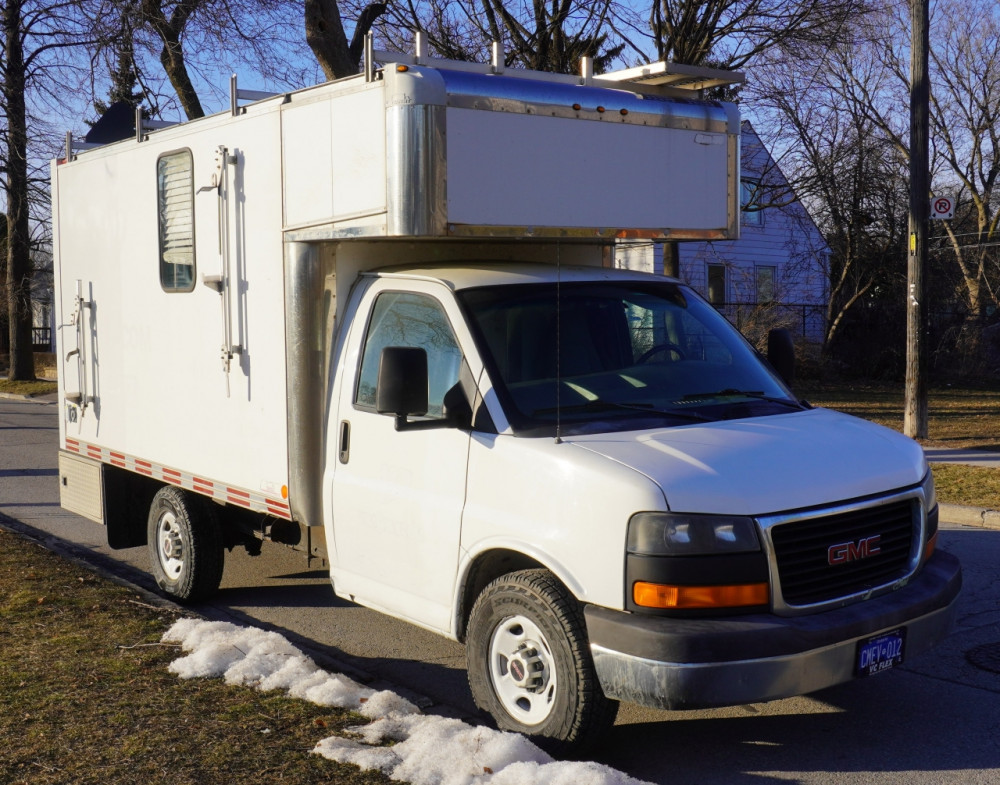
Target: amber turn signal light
658	595
930	546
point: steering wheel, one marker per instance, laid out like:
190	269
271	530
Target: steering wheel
661	347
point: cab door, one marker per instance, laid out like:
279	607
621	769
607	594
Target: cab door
398	496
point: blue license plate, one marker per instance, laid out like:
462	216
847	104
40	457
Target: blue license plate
880	653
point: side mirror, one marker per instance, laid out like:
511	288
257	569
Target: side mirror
402	383
781	353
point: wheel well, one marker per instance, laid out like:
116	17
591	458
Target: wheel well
127	499
488	567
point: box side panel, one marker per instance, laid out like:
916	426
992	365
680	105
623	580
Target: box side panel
307	146
528	170
150	357
333	153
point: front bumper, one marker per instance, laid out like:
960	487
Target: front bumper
675	663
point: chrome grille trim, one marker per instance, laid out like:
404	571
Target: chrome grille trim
899	518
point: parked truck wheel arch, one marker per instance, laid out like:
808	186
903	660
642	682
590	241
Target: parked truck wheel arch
185	545
529	661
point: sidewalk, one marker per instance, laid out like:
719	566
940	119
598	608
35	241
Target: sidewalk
985	458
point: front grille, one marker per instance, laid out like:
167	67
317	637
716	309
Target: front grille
802	552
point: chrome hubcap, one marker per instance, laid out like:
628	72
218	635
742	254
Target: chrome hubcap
170	545
522	670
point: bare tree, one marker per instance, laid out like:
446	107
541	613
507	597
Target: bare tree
36	35
188	36
168	20
540	35
191	41
326	36
850	175
966	127
965	123
733	33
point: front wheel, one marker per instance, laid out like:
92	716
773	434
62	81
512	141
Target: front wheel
185	545
529	661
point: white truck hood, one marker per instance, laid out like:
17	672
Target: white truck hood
766	464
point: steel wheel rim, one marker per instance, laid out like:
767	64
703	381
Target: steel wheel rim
522	670
170	545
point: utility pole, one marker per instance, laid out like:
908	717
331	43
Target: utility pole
915	404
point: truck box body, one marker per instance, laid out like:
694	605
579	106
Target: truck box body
408	156
375	320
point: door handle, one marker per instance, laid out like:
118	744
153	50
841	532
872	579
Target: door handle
345	441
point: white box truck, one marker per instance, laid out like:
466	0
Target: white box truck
430	376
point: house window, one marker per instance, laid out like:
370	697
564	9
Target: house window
717	284
765	284
175	211
750	202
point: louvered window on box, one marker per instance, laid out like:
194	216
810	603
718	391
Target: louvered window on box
175	210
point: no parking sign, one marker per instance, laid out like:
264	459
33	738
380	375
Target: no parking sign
942	207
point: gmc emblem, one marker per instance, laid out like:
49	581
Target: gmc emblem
846	552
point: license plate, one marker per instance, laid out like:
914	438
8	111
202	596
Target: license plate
880	653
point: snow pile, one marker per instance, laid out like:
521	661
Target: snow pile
425	749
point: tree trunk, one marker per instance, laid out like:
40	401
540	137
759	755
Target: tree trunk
328	41
172	54
172	58
22	362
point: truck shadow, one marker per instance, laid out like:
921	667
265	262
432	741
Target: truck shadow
903	729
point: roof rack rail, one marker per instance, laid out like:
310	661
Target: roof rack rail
674	76
237	94
689	77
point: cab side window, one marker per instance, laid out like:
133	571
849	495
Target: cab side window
416	320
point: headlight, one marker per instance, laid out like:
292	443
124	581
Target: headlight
679	534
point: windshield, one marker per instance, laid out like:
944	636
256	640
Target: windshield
616	356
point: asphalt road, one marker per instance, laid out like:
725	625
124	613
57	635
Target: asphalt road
935	720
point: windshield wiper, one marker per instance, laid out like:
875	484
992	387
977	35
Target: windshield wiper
732	392
643	408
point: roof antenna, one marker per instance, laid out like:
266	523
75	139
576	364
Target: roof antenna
558	342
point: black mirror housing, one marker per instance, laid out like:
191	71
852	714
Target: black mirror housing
402	382
781	353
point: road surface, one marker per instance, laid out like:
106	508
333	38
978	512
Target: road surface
935	720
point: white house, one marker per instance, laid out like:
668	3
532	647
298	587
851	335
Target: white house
775	274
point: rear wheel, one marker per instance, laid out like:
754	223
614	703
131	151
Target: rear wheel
529	661
185	545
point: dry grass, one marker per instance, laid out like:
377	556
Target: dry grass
85	695
966	418
32	388
45	370
974	486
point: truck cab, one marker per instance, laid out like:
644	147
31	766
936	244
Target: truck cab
591	478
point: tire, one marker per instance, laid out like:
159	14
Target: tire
529	661
185	545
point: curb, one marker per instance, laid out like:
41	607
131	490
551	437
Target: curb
970	516
34	397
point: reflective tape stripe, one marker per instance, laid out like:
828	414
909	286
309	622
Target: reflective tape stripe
241	497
